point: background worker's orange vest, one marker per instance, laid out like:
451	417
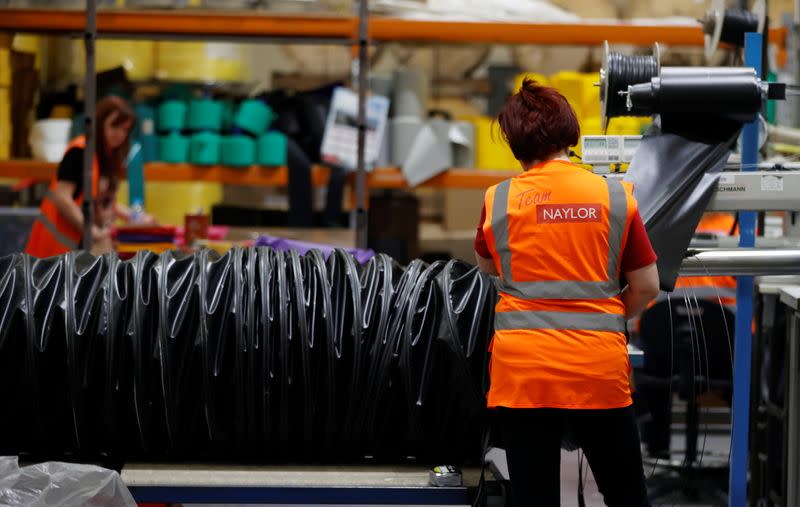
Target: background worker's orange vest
556	234
52	234
719	289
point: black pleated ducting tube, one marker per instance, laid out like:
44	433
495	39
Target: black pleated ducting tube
254	355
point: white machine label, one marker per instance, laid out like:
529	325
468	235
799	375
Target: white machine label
770	183
731	188
727	179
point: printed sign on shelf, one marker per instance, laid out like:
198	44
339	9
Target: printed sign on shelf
340	141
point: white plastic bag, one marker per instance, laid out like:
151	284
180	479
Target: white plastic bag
60	484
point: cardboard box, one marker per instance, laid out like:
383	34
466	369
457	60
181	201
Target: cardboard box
462	209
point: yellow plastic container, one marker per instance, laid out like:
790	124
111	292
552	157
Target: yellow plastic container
572	86
62	111
200	61
580	90
135	56
591	94
624	126
539	78
170	202
29	44
491	150
5	67
5	115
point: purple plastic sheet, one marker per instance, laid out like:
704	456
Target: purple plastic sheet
303	247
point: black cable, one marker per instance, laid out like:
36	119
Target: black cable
623	71
735	225
480	494
581	499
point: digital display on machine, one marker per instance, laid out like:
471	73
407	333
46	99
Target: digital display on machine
594	143
632	143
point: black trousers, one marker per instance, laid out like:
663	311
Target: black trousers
609	439
300	206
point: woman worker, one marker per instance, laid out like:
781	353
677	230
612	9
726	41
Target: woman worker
560	239
60	225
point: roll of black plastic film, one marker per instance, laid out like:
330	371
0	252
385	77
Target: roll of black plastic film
731	97
735	24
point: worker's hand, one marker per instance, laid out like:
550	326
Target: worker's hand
147	219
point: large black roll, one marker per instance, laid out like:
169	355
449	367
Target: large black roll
705	96
254	355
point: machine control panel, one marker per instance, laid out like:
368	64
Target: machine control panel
608	150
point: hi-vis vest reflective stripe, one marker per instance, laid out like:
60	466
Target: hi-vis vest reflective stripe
59	236
52	234
560	289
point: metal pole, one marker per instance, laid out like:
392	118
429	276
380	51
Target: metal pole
90	97
360	217
742	262
796	63
743	348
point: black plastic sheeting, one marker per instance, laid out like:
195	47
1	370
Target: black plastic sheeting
675	172
254	355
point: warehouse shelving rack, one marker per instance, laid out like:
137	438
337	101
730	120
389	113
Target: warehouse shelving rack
357	31
209	25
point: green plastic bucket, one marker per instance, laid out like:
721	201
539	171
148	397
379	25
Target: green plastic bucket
173	148
204	114
272	149
238	151
204	148
171	116
254	117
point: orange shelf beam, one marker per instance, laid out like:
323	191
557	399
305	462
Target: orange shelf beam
158	171
392	178
253	175
383	177
256	25
37	170
184	22
389	29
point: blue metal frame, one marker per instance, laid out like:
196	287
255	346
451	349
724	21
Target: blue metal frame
299	495
740	435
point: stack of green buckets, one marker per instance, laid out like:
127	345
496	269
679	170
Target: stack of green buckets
172	145
249	143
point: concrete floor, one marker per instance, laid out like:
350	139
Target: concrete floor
718	445
714	444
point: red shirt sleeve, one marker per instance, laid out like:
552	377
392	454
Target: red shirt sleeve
480	239
638	250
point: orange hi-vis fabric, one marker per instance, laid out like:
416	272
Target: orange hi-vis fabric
52	234
556	234
720	289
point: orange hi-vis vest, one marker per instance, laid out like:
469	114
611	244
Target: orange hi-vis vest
52	234
721	289
556	234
